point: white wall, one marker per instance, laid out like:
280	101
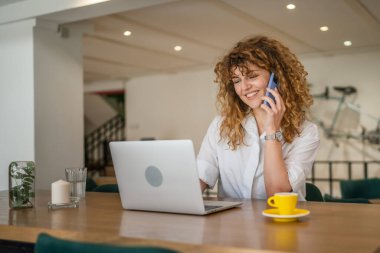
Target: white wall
156	105
16	96
97	111
178	106
360	70
48	129
182	105
59	104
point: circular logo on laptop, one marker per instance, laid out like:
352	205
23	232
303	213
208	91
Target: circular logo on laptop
153	176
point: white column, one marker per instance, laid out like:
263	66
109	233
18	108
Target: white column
16	95
58	103
41	100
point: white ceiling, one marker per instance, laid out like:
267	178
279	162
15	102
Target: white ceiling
7	2
207	28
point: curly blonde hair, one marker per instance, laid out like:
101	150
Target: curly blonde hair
274	57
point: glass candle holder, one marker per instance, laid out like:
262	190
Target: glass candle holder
21	184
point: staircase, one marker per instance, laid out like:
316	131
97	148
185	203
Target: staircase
97	153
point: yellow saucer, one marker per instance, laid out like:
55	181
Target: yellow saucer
273	213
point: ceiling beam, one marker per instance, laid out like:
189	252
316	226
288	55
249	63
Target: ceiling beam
362	11
117	63
168	33
252	20
108	39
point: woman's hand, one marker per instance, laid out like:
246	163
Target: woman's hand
276	176
275	113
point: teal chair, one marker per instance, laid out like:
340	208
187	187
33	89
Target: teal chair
90	184
49	244
313	193
107	188
362	188
329	198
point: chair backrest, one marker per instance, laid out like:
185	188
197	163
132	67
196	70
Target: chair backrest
329	198
47	244
362	188
90	184
313	193
106	188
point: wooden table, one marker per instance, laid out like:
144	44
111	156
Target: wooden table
331	227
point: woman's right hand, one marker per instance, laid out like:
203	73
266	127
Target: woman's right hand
274	113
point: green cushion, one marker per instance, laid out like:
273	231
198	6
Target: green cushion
49	244
90	184
107	188
363	188
329	198
313	193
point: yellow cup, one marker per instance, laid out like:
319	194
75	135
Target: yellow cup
285	202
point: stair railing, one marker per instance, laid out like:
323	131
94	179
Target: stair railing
97	154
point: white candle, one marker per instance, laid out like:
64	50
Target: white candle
60	192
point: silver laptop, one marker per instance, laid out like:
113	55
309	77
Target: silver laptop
161	176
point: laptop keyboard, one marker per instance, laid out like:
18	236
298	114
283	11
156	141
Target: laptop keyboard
208	208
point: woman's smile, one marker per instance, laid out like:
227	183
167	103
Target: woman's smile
252	95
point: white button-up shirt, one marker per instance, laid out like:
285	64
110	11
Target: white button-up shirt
241	172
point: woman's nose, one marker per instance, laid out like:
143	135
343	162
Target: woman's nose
246	84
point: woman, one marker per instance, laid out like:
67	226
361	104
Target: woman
256	150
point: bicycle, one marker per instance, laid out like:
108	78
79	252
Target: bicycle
332	132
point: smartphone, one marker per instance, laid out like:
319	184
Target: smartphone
272	84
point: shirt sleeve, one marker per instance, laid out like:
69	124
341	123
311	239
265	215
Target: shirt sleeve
300	159
207	160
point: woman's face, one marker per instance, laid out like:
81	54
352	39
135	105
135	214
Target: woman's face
251	87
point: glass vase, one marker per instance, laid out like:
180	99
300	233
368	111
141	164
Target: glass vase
21	184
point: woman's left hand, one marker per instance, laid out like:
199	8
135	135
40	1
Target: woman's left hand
275	113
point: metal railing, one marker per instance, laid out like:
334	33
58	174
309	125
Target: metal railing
349	166
319	167
97	154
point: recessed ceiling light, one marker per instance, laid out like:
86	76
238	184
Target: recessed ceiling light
347	43
177	48
127	33
324	28
290	6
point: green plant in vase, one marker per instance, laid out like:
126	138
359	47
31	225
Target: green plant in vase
21	184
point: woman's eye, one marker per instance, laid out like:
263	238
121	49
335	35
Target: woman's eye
235	81
252	76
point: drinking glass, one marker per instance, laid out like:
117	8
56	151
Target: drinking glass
77	179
